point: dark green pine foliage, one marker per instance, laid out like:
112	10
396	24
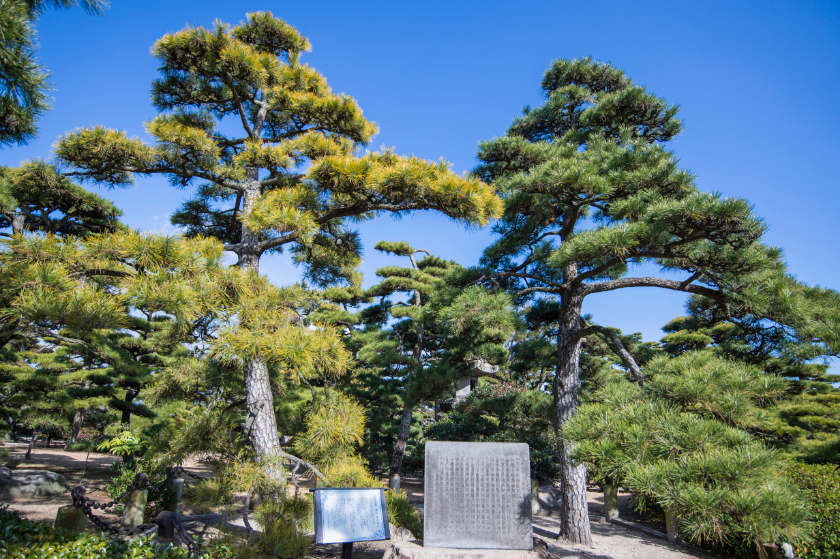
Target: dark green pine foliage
24	84
787	329
789	332
94	323
589	192
680	442
533	349
37	197
406	348
416	336
54	389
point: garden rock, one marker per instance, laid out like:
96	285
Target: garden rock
17	484
549	500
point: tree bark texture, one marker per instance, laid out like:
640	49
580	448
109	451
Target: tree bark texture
130	394
76	426
249	247
399	448
18	221
261	423
405	421
574	510
31	444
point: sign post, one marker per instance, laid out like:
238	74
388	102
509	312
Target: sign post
345	515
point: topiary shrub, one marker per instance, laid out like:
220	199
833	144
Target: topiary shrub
821	484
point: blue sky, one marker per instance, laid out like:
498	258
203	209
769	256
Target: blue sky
757	82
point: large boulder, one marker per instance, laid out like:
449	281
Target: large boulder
549	500
16	484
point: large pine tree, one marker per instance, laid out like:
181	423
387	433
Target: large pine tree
287	177
589	192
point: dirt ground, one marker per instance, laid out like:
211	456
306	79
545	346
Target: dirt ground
609	541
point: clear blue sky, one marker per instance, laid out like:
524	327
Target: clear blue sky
758	83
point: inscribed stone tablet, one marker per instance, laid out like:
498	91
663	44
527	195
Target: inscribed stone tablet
350	515
477	496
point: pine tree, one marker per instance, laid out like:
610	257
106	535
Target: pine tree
783	327
589	191
94	321
252	191
37	197
410	351
412	340
680	444
786	329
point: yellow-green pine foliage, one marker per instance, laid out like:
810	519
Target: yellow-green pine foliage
290	173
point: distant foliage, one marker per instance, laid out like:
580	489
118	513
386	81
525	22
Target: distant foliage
504	412
821	484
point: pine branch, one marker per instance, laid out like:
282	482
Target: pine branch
615	343
674	285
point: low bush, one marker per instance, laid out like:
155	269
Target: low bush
24	539
81	446
821	484
402	514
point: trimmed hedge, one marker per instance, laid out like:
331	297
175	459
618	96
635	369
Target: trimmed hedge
821	483
24	539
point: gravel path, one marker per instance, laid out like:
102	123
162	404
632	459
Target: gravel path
612	542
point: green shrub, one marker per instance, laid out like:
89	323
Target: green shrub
402	514
821	484
24	539
284	524
81	446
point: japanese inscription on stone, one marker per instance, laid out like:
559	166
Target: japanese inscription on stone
477	496
350	515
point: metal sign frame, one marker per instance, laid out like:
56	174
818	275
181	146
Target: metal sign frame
319	527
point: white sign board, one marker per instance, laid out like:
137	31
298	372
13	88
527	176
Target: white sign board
350	515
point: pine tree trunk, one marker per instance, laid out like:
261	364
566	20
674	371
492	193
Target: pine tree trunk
574	509
405	421
399	448
75	427
18	221
31	444
262	423
130	394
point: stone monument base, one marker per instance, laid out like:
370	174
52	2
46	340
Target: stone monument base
409	550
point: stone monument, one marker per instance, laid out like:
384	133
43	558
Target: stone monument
477	496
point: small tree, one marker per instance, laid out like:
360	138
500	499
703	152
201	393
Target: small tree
416	348
589	192
787	329
253	193
37	197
